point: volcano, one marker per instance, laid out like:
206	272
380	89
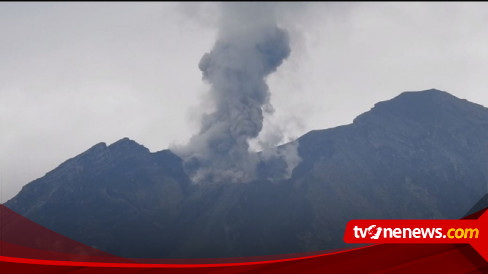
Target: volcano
420	155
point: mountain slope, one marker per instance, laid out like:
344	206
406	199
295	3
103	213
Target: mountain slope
107	193
479	206
418	155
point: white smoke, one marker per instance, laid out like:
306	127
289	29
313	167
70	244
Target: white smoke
250	46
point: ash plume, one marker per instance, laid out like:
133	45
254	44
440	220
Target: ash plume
249	47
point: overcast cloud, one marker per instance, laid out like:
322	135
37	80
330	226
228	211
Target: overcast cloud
75	74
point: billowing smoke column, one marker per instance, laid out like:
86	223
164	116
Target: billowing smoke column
250	46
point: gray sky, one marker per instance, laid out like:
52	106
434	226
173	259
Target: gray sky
75	74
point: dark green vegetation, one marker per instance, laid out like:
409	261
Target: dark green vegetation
419	155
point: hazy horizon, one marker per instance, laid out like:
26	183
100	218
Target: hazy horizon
76	74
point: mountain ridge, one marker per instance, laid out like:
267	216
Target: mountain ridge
419	155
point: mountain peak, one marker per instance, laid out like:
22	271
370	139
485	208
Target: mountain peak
432	91
124	142
429	94
127	146
429	107
96	148
416	99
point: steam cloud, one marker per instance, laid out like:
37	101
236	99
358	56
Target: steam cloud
249	47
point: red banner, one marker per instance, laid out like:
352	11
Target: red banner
27	247
473	232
